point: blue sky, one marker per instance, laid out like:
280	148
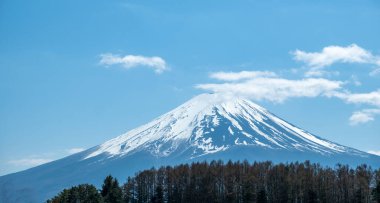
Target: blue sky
74	74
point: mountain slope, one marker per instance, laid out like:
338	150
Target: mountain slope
209	126
210	123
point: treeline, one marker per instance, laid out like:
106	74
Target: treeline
236	182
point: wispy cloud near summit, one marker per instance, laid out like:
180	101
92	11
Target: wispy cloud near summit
267	86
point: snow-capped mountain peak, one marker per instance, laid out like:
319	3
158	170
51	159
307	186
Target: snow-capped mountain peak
209	123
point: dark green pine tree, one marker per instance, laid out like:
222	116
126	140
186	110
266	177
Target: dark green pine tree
111	192
81	193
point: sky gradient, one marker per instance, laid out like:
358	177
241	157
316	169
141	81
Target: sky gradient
74	74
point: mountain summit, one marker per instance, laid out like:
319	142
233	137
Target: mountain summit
210	123
207	127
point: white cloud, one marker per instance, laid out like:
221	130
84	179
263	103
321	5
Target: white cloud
334	54
316	61
130	61
265	85
74	150
371	98
363	116
242	75
375	152
29	162
275	89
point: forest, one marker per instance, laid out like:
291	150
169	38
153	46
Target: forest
217	181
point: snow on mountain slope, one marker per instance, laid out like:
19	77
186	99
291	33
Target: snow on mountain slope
201	124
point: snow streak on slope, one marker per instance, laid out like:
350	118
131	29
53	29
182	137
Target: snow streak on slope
209	123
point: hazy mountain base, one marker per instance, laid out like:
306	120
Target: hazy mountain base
43	182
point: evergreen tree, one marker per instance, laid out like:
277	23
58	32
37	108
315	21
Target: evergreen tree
84	193
111	192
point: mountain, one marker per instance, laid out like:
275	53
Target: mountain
207	127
